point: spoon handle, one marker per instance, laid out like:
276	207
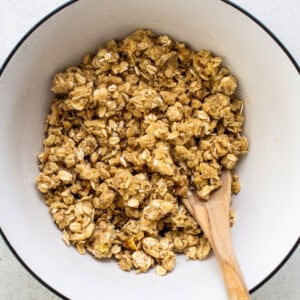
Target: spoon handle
216	228
222	246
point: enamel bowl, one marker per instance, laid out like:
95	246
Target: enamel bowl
268	222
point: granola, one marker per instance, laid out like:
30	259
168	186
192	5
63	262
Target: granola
131	129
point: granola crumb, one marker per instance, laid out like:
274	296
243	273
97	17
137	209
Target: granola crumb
131	129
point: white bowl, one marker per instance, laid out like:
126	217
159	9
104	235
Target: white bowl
268	225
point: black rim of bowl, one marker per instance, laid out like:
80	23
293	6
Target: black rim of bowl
48	16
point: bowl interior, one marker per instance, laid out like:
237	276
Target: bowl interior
267	224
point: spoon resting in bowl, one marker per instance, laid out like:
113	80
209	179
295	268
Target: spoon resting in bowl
213	217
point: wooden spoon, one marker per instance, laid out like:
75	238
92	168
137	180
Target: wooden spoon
213	217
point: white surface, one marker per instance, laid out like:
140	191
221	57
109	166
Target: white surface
12	27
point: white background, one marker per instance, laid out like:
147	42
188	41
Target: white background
17	17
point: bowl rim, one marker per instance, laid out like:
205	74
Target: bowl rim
69	3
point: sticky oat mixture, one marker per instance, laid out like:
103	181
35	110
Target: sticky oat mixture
131	129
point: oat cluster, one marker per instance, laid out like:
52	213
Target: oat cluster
131	129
